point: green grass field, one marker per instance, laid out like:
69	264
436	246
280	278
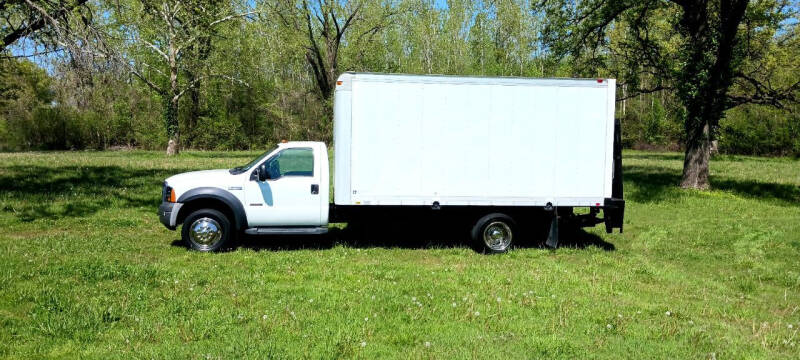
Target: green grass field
87	271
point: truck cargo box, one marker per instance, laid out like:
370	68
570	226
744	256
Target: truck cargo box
420	140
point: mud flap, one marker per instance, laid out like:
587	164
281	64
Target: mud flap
552	236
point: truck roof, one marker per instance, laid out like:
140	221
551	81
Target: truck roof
453	79
299	143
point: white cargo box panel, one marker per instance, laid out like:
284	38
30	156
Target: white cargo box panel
415	140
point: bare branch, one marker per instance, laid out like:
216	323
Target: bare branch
194	38
764	94
638	92
44	19
196	81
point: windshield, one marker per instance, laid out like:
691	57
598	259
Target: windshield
240	169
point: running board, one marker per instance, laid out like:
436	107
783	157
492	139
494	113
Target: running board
316	230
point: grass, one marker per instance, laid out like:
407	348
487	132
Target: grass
87	271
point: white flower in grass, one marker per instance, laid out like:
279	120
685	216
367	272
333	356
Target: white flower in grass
454	304
363	343
499	299
366	319
668	313
477	313
609	326
264	317
619	316
427	344
413	298
790	326
311	300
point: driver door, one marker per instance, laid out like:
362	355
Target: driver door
290	195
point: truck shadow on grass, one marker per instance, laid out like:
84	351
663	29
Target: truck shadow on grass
658	183
418	236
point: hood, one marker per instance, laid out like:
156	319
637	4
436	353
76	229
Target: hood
221	178
198	176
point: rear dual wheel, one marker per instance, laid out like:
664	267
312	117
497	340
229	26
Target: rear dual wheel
493	233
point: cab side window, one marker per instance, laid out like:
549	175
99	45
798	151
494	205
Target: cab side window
291	162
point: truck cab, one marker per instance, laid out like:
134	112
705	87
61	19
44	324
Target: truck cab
283	191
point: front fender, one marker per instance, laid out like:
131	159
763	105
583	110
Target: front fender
239	216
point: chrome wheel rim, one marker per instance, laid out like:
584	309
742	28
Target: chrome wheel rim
205	232
497	236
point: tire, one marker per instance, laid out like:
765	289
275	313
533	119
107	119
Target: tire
493	234
212	230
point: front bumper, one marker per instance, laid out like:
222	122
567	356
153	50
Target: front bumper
168	214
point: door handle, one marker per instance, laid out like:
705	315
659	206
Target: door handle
315	189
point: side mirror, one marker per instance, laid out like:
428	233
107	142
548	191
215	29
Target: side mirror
263	174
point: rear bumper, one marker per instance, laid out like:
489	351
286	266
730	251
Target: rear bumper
168	214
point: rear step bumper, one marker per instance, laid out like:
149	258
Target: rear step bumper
613	215
315	230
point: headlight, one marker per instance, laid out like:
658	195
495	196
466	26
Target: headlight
167	193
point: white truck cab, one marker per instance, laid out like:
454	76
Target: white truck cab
283	191
489	152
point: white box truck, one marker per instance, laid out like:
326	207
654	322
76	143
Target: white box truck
492	152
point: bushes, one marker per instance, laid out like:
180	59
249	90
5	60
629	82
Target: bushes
648	123
219	133
759	130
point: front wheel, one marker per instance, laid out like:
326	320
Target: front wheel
206	230
493	233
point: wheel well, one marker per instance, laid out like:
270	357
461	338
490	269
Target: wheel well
206	203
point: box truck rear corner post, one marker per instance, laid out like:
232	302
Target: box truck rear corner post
493	154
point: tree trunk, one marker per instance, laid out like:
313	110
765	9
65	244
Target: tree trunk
173	129
696	160
173	133
194	110
706	77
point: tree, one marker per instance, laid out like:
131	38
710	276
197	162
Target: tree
713	40
326	25
154	38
